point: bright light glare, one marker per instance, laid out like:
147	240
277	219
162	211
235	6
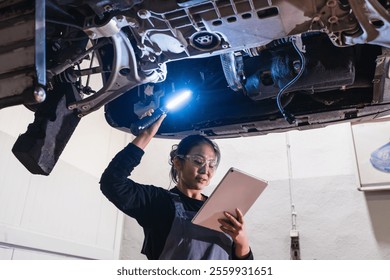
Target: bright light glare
177	100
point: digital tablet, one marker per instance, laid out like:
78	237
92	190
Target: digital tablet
237	189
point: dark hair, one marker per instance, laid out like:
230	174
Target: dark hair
184	147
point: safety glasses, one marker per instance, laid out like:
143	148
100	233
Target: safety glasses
199	161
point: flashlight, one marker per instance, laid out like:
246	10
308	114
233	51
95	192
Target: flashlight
146	122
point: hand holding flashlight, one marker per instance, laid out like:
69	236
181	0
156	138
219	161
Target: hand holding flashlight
146	122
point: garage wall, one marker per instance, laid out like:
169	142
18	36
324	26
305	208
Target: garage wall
63	215
314	170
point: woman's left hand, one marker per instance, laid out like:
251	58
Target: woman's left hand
235	228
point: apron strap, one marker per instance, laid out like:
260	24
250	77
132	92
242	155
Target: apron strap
179	208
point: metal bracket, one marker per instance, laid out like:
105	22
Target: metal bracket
381	79
119	81
371	15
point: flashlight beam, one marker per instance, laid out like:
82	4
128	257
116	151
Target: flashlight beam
146	122
180	98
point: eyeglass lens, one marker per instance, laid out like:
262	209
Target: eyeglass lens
201	161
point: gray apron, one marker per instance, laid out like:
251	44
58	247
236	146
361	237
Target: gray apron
187	241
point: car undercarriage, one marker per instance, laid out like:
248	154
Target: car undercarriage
254	66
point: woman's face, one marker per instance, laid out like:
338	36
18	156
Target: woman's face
192	175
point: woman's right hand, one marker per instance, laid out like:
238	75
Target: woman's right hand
144	137
235	227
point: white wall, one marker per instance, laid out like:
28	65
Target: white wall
317	174
63	215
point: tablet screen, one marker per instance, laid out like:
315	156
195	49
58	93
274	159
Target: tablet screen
237	189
